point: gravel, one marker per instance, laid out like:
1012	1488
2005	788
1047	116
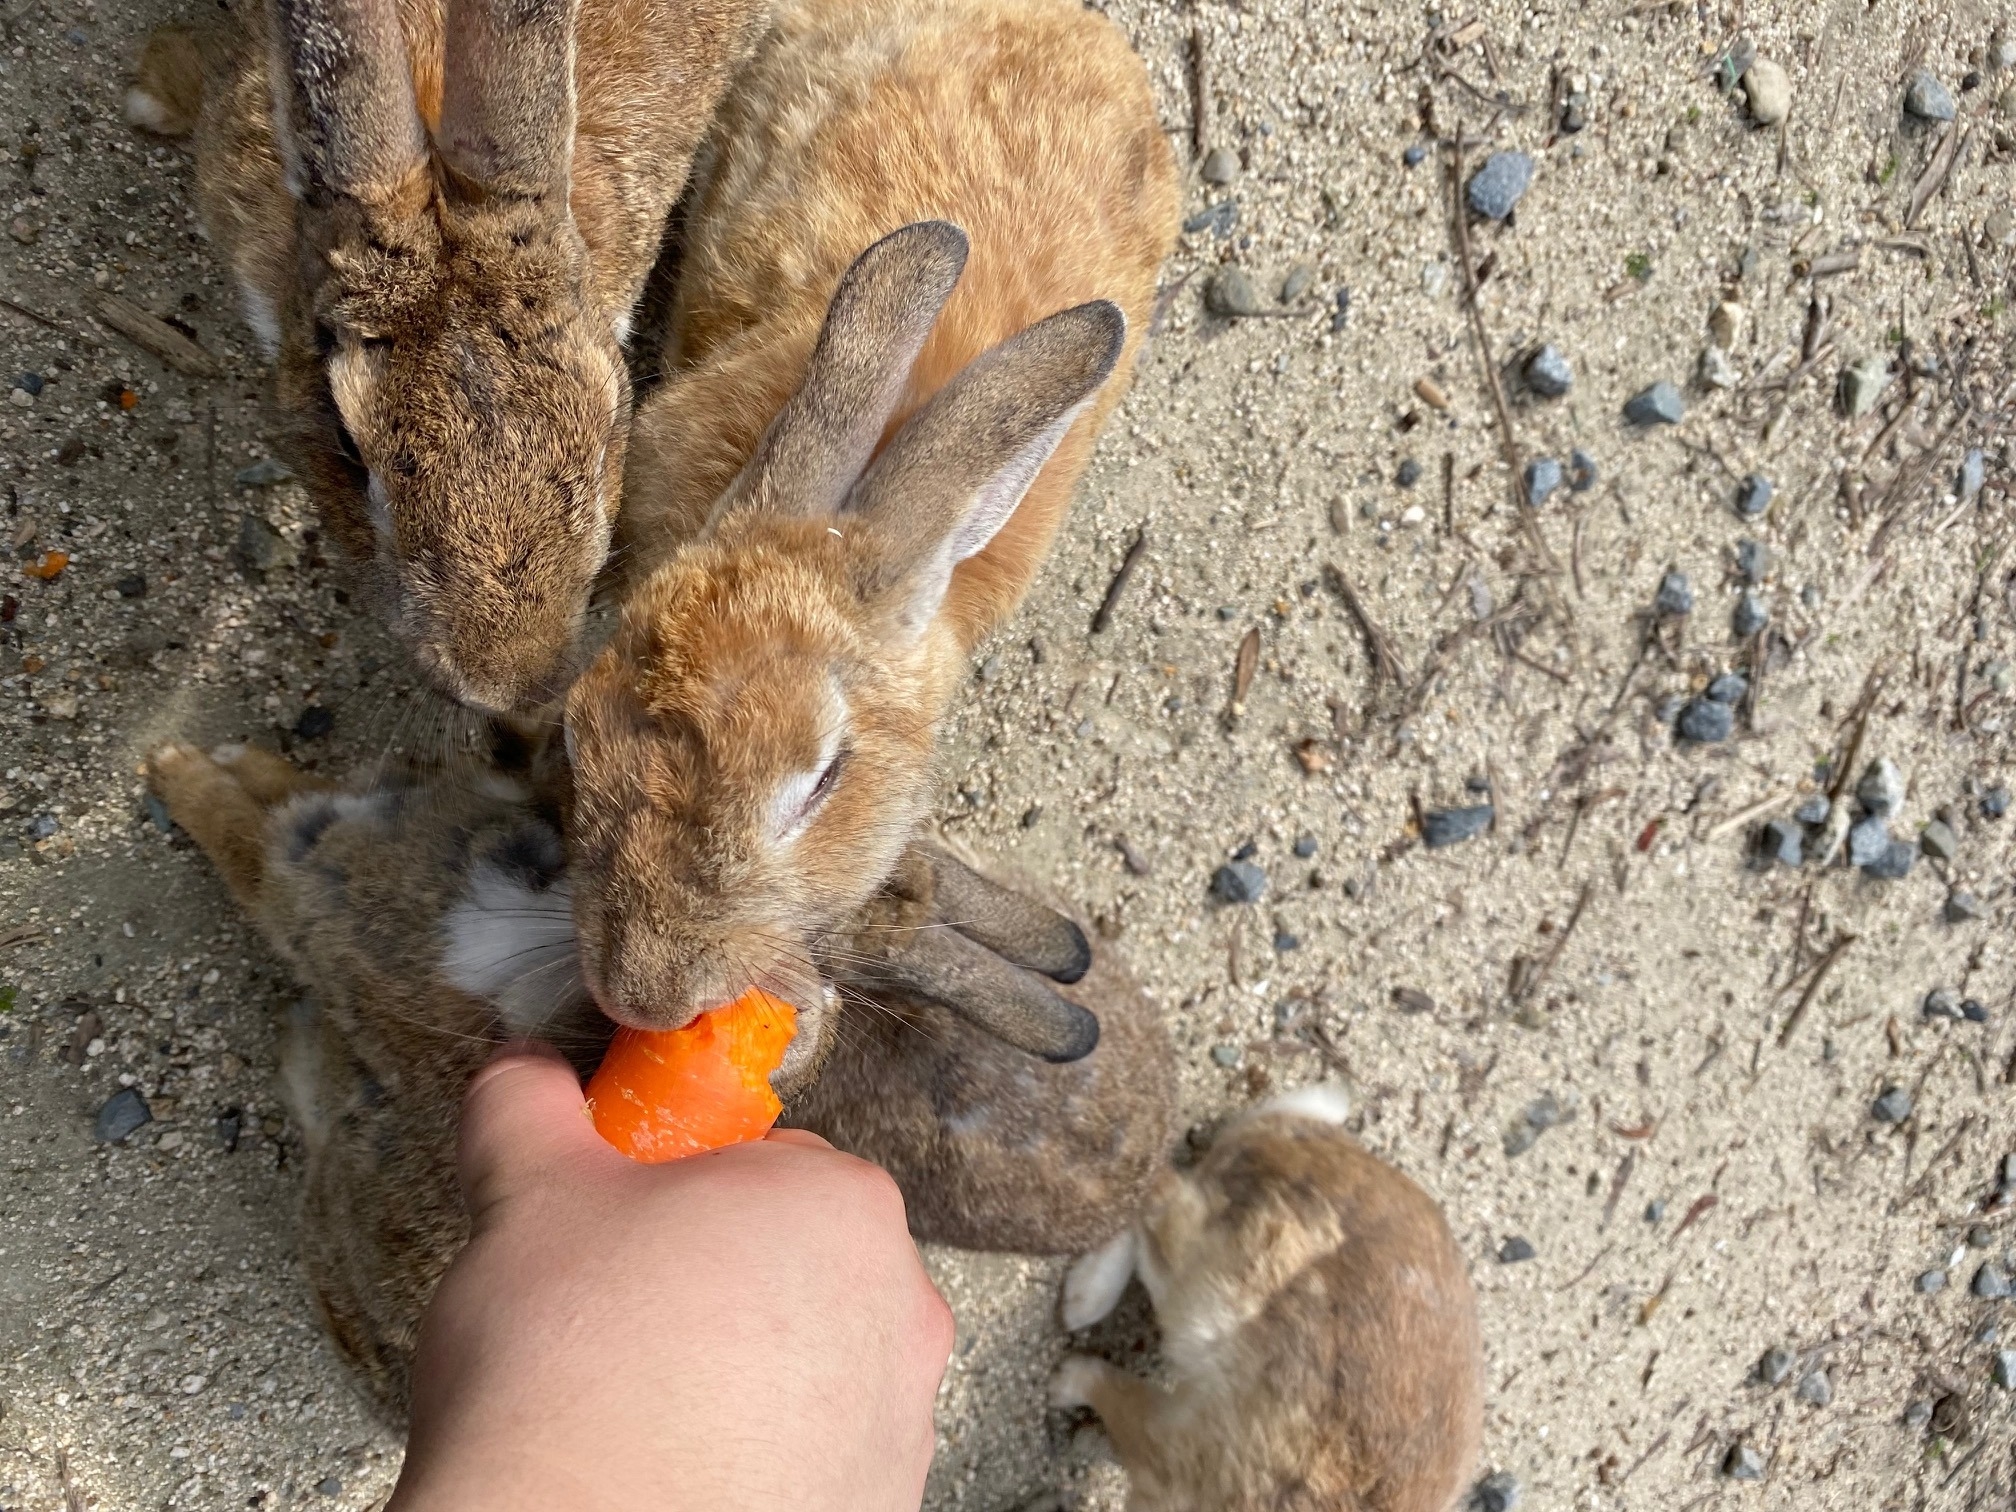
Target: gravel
1991	1283
1548	373
1660	404
1582	471
1938	841
1895	863
267	472
1514	1250
1753	561
124	1112
1220	166
1743	1463
1995	802
1675	596
1704	721
1750	615
2003	1371
1234	294
1497	187
1497	1492
1728	687
1973	473
1928	99
1894	1106
1544	477
1814	1389
1940	1002
1440	827
1881	790
1775	1365
1862	384
1753	496
1769	91
1239	882
1813	810
1782	841
1930	1283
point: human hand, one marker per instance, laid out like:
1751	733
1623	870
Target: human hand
746	1329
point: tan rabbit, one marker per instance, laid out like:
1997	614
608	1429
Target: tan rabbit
1318	1325
430	919
846	481
440	214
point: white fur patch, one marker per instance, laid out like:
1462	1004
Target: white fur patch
1077	1378
146	111
1325	1102
1093	1285
380	505
301	1073
514	947
263	316
789	817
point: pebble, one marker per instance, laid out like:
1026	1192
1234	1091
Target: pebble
1658	405
1219	219
1515	1249
1415	155
1753	560
261	548
1775	1365
1408	474
1297	283
1973	473
1863	384
1285	942
1225	1055
1814	1389
1729	688
1940	1003
1974	1010
1782	841
1938	841
1918	1416
1751	614
131	586
2001	52
1814	810
1995	802
329	1486
1440	827
1548	373
1927	99
1867	841
1717	369
1655	1210
2004	1371
29	384
20	398
1220	166
1932	1282
315	722
1894	1106
1239	882
1991	1283
1743	1463
1234	294
124	1111
1753	496
1545	1111
1703	721
1544	477
1770	92
1498	186
1881	790
1675	596
1582	472
264	474
1497	1492
1895	863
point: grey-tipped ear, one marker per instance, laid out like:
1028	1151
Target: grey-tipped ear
507	96
955	473
880	316
1014	927
343	97
970	980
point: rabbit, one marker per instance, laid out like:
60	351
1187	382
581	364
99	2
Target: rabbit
753	746
440	215
1318	1326
428	918
993	1148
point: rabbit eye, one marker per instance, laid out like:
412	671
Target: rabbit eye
793	805
827	778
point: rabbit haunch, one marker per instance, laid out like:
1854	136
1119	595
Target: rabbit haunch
440	215
856	464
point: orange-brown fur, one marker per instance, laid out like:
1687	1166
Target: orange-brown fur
459	339
1028	124
1319	1329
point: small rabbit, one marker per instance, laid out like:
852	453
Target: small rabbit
430	918
1318	1324
856	464
440	214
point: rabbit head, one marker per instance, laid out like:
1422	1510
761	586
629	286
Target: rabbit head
753	747
455	404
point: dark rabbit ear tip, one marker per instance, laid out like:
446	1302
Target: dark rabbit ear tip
1084	1038
1080	957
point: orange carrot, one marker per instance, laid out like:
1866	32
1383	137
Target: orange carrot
658	1097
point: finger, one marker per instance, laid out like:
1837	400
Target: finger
524	1121
803	1137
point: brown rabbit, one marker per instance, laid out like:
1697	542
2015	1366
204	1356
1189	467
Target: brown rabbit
846	481
431	918
440	214
1318	1325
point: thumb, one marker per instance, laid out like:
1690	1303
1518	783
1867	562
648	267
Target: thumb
524	1123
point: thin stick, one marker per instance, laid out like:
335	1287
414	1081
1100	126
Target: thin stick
1743	816
1924	1180
1933	179
1200	96
1546	966
1839	949
1384	657
152	334
1104	615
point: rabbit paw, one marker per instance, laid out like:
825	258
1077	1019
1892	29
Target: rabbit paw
1093	1285
1076	1379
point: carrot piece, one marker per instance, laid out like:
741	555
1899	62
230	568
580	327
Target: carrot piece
661	1096
49	565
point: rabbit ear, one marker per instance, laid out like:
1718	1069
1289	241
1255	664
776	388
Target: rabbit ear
985	990
1014	927
344	115
507	97
954	474
880	316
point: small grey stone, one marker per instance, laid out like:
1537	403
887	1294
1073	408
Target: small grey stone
1225	1055
1220	166
1770	92
1918	1416
2001	52
1881	790
1991	1283
1239	882
1782	841
1545	1111
1894	1106
1704	721
1895	863
1655	1210
42	826
1497	1492
1814	1389
1415	155
1753	560
1497	187
1219	219
329	1486
261	548
1927	99
1305	846
1285	942
29	384
1716	368
1440	827
1932	1282
2003	1373
1297	283
1940	1003
1658	405
1729	688
1675	596
1548	373
1582	471
1974	1010
1995	802
1753	496
1980	1236
264	474
1938	841
1863	384
133	585
1814	810
1408	473
1515	1249
1234	294
1973	473
1776	1365
124	1111
1519	1138
1543	477
1743	1463
1750	615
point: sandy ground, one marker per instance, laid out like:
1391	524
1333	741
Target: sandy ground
1716	1184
